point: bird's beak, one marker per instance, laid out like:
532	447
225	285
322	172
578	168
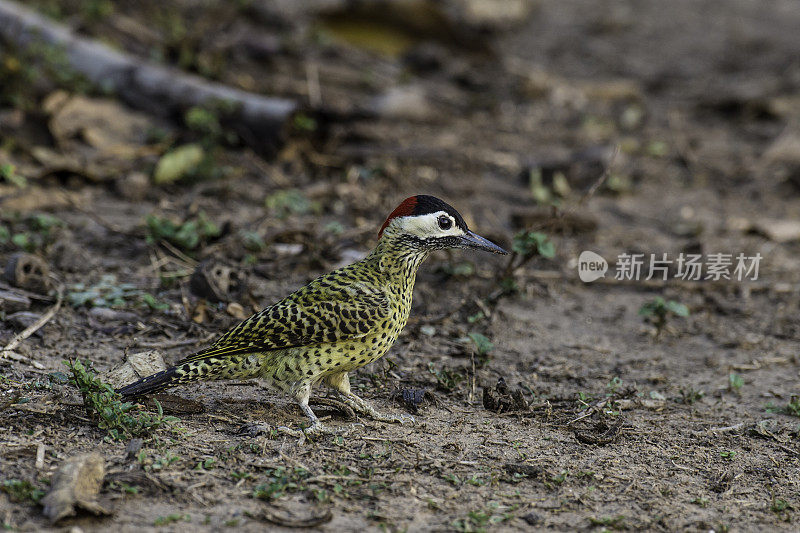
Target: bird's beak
471	240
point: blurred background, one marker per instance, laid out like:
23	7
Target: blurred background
173	166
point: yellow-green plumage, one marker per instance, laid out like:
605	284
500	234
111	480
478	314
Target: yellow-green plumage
337	323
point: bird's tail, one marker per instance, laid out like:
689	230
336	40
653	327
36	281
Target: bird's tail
155	383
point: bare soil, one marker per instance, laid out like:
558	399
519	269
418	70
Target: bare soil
625	429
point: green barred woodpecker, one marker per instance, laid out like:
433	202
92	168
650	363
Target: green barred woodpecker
339	322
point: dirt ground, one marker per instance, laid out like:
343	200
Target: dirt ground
689	110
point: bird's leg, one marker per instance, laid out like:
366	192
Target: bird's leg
341	383
316	428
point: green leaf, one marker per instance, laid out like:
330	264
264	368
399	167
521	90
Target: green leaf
8	172
289	202
528	243
547	249
678	309
23	240
152	303
482	343
655	306
178	163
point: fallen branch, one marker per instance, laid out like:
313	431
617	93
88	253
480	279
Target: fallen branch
144	85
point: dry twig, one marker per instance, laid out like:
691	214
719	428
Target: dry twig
8	349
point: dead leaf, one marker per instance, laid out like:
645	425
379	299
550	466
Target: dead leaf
200	313
76	484
69	162
237	311
501	399
102	123
97	138
39	198
136	366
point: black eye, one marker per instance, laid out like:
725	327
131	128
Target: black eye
445	223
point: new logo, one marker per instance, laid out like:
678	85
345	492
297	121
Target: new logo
591	266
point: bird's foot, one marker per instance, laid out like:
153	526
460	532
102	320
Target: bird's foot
361	406
341	406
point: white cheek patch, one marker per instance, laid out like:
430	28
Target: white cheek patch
425	226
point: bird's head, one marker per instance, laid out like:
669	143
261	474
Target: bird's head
431	224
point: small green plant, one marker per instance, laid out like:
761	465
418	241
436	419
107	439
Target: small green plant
616	523
548	194
690	395
478	520
32	232
614	385
238	476
782	508
735	382
477	317
106	293
701	501
121	420
730	455
203	121
533	243
187	235
169	519
452	479
280	481
287	202
447	380
462	269
304	123
483	346
150	301
252	241
209	463
658	310
124	487
560	478
109	293
778	505
476	481
8	172
21	491
165	461
525	246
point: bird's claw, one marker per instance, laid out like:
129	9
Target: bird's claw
401	418
404	417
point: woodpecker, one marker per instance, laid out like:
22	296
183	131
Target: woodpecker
339	322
